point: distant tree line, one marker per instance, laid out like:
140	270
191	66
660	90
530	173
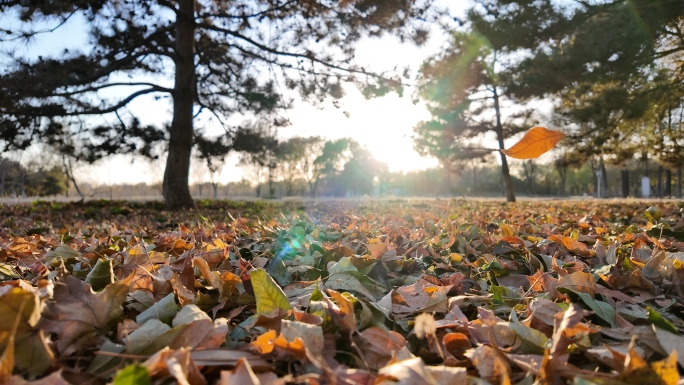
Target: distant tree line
18	180
218	56
611	71
313	166
484	179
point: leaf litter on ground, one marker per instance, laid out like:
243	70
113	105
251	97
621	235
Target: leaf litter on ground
384	291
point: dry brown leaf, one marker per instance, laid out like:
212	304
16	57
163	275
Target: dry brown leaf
225	357
378	346
312	335
80	317
177	364
241	374
54	378
408	372
154	285
489	364
448	375
578	281
433	255
202	334
226	282
342	314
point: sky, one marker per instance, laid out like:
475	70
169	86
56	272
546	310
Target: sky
384	125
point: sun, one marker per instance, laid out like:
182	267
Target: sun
383	125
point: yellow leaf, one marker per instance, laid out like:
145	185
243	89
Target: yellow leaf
269	296
7	357
264	343
7	361
677	264
535	143
638	371
667	369
506	230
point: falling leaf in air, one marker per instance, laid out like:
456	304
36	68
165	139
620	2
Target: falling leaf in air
536	142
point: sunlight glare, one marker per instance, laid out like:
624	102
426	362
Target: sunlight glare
384	125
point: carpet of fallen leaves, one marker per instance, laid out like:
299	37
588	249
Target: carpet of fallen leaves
342	292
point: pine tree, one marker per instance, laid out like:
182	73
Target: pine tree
606	65
465	95
225	58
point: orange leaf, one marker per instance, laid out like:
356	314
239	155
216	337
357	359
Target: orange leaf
456	344
264	344
571	244
377	249
295	347
535	143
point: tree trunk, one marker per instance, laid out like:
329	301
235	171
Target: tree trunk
314	186
562	173
529	174
624	179
69	171
659	184
679	182
215	184
175	186
474	177
604	176
22	185
448	181
505	172
668	182
271	189
73	181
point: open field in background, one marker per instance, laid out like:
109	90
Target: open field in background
251	198
346	291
